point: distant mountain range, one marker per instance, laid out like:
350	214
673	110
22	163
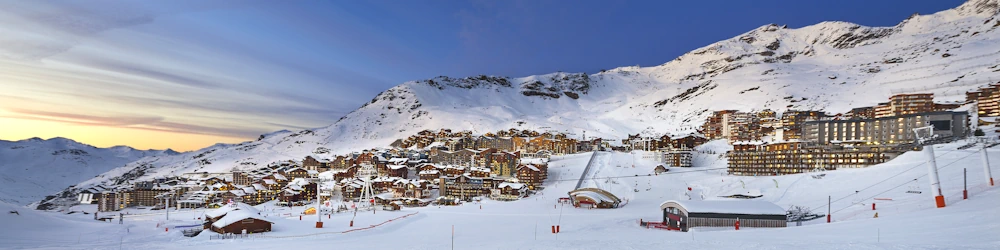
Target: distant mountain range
33	168
830	66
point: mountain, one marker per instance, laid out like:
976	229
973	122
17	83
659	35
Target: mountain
830	66
33	168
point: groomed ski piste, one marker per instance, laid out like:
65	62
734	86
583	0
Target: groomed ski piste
906	220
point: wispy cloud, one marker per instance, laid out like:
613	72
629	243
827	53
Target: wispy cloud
223	68
152	123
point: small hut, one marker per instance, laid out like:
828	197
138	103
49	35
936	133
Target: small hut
660	169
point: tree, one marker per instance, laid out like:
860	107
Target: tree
979	132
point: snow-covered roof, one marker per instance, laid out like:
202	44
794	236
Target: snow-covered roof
229	208
269	182
259	186
531	167
512	185
533	160
236	216
279	176
428	172
597	197
299	182
421	165
395	167
753	143
755	207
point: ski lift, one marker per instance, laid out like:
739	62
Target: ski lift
914	188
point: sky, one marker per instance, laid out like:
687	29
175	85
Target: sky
189	74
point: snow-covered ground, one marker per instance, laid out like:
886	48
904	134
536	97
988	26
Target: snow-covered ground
909	221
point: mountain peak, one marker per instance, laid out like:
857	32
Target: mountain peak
979	7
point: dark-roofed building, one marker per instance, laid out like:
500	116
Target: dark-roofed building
683	215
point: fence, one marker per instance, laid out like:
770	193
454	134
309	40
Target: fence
237	236
343	232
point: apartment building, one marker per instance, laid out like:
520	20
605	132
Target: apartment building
885	130
761	158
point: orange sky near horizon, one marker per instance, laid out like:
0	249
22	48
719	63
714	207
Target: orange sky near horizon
13	129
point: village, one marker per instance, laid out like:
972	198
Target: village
445	168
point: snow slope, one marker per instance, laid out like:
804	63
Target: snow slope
830	66
909	221
33	168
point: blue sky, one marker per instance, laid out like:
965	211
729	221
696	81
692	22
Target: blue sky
230	70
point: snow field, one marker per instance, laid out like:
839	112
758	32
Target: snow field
909	221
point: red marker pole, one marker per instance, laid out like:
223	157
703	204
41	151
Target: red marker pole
873	205
965	184
737	224
829	200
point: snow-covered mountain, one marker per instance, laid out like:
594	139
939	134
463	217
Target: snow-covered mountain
33	168
830	66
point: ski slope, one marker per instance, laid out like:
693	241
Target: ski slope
909	221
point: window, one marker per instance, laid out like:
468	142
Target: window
941	125
247	221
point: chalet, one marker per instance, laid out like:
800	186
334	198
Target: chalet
398	161
428	166
310	163
509	191
351	188
429	175
531	175
364	158
411	189
270	183
295	173
414	163
454	170
280	179
689	141
241	222
298	191
383	184
341	162
479	172
398	171
346	173
216	214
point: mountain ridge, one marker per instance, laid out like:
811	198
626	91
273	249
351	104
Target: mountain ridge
830	66
32	168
